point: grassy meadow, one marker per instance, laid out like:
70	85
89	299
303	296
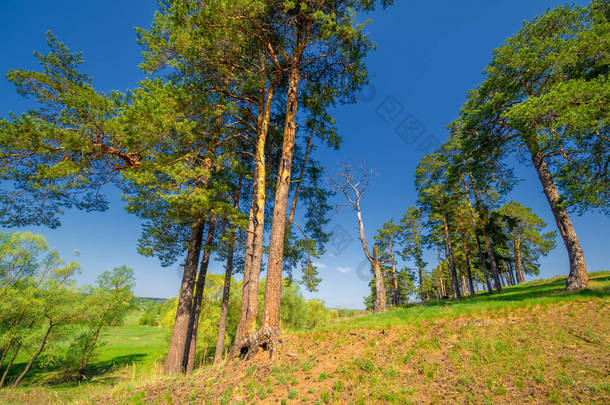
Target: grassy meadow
126	353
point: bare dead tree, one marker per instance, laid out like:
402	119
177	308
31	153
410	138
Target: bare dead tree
353	188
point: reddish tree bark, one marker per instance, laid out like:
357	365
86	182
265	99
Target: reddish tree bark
273	290
578	277
245	338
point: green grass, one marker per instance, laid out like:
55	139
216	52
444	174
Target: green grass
125	353
538	292
130	354
138	347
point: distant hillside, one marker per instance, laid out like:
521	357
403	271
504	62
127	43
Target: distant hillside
146	300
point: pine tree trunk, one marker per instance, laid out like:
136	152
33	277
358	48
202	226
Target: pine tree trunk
516	258
454	280
226	290
241	333
440	273
245	338
478	239
578	277
490	253
522	273
512	275
463	284
301	175
492	260
273	290
174	362
191	337
420	271
394	277
466	254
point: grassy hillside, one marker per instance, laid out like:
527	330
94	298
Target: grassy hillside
535	343
126	354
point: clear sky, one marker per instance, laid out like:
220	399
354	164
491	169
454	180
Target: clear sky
429	54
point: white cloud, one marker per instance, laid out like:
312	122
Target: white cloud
343	269
319	265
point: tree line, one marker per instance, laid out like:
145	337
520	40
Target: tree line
544	102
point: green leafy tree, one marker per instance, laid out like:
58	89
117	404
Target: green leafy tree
38	307
545	97
37	301
107	304
61	154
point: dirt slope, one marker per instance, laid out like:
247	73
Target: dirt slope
545	354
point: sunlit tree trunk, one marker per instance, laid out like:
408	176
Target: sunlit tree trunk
380	299
463	283
420	270
512	274
578	277
394	277
273	290
224	306
440	274
245	338
297	190
516	257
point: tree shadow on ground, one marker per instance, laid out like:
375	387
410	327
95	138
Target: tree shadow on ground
58	377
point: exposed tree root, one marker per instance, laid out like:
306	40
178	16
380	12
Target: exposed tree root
266	339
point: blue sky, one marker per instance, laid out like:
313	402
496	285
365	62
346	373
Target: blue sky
429	54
